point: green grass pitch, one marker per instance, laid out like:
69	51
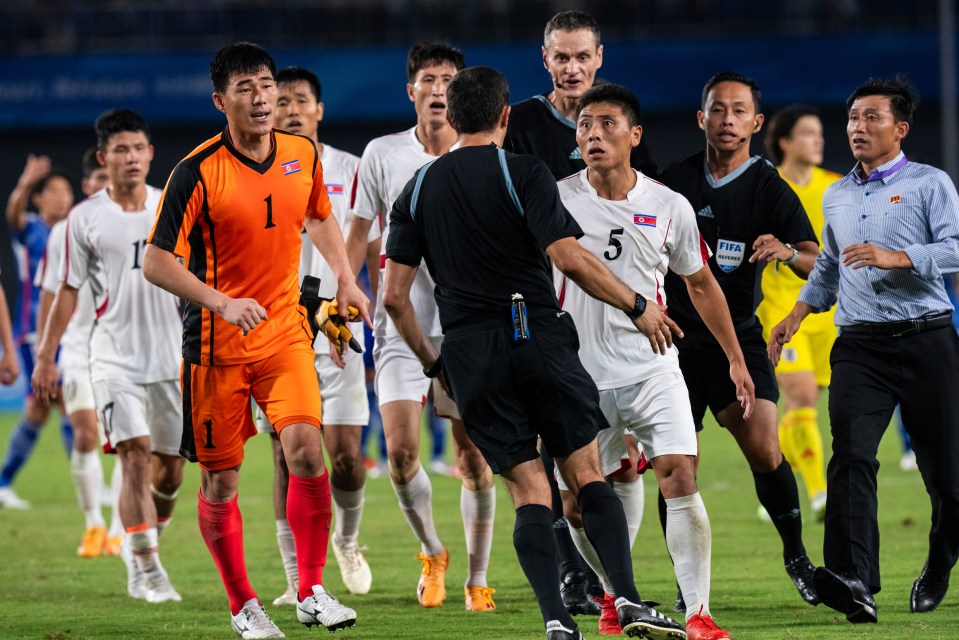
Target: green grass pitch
47	592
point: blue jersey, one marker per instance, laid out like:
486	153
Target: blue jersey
30	243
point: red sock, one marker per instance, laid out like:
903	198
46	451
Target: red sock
222	529
309	511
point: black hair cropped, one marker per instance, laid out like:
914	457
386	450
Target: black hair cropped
238	58
475	99
903	97
781	126
424	54
298	74
733	76
117	121
614	94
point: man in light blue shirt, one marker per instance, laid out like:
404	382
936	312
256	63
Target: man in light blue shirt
891	232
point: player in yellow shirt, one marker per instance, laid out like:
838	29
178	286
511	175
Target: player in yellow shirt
795	143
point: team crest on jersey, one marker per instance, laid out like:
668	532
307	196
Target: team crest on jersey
641	220
334	189
576	155
789	354
729	254
293	166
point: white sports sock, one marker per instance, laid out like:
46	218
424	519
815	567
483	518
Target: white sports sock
116	525
87	475
416	502
478	509
162	524
287	545
143	544
689	541
585	548
632	495
347	513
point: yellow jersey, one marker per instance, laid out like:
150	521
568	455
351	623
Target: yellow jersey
781	288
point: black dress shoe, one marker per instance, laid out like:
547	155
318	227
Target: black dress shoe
846	594
572	588
928	591
800	570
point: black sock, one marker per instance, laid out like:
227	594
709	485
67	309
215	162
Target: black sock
605	523
661	503
779	495
537	556
569	558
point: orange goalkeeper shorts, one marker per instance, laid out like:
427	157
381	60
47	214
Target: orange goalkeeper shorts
218	416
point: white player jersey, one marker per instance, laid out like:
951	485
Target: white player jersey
137	334
388	163
339	177
75	343
639	238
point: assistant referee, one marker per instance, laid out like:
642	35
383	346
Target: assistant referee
485	221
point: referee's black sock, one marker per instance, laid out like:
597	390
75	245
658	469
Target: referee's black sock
536	550
605	523
779	495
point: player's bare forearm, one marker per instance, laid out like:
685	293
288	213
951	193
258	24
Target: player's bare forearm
327	238
6	326
43	311
396	299
808	252
61	310
592	276
372	272
36	167
357	246
160	267
710	302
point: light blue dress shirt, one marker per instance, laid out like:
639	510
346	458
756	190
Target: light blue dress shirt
902	206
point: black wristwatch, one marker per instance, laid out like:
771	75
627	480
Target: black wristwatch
638	309
434	371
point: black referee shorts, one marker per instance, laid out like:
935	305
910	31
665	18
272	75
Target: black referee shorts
706	371
509	393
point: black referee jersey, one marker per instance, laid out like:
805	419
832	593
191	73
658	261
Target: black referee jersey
481	218
731	213
537	128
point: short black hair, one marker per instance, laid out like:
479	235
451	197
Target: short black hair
475	99
56	172
424	54
297	74
615	94
903	97
89	164
239	57
571	21
781	126
117	121
733	76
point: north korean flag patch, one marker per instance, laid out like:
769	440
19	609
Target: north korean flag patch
896	199
334	189
293	166
644	220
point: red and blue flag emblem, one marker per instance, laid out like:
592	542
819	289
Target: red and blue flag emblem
644	220
334	189
293	166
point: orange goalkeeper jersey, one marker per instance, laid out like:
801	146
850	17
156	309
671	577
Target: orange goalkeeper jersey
237	225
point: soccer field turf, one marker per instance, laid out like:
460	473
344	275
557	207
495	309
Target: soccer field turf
47	592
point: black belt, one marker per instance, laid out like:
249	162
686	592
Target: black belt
901	328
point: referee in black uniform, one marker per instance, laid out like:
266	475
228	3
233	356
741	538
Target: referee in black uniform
545	126
485	221
748	216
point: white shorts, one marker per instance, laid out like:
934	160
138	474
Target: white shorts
343	390
655	411
77	390
128	410
399	376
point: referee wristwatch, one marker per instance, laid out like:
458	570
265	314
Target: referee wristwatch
432	372
795	255
638	308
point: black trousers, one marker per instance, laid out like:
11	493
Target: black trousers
870	375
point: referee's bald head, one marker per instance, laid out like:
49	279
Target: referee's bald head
476	97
